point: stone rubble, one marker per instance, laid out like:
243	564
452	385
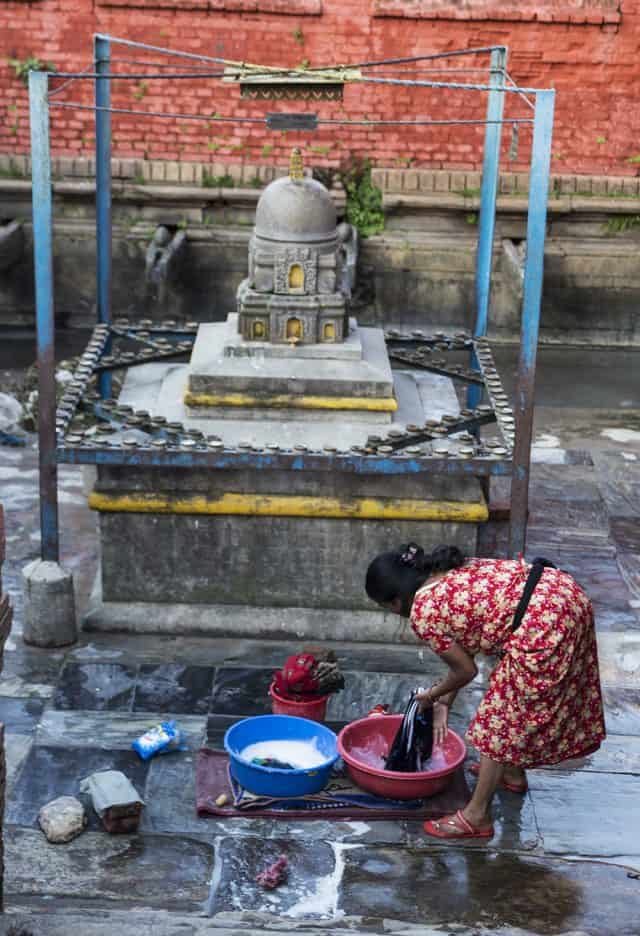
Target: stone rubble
62	820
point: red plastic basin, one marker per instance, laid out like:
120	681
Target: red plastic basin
313	709
364	744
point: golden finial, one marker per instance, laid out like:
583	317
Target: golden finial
296	165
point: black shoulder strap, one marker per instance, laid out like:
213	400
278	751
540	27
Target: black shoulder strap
533	578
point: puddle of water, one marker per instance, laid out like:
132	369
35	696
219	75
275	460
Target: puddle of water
621	435
323	901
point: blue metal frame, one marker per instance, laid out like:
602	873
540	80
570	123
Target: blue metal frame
532	299
488	199
102	60
51	453
45	321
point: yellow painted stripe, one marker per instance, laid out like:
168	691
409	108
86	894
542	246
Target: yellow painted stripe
283	505
289	401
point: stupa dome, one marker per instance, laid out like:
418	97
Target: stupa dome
296	209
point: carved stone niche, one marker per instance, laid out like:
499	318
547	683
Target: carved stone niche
296	271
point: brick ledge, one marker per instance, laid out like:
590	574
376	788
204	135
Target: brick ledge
598	13
393	182
282	7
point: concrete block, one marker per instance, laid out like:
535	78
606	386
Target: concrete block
458	181
474	180
441	181
507	182
187	173
128	168
599	185
243	560
426	180
49	605
379	178
172	172
411	180
157	171
394	180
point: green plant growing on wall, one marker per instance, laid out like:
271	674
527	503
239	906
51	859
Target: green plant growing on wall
298	35
621	224
267	149
256	182
12	172
601	139
22	67
213	181
13	109
469	192
141	90
472	217
634	159
364	199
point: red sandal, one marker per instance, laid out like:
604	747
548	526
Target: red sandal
455	827
511	787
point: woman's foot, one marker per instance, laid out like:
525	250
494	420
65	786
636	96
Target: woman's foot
459	826
514	779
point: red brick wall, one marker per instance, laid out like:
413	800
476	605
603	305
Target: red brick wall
587	49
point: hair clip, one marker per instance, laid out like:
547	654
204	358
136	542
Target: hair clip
408	557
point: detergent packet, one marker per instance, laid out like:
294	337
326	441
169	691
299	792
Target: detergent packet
160	739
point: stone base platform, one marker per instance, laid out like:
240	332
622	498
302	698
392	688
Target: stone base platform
208	551
243	378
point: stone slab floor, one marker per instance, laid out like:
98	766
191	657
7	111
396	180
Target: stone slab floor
564	856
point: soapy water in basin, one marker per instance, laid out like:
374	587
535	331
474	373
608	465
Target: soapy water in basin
371	756
300	754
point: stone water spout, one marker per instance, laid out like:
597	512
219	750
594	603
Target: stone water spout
11	244
162	264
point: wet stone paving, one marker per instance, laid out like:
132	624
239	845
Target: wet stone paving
565	858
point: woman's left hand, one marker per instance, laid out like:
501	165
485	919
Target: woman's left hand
425	700
440	722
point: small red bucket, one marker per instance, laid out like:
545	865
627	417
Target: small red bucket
314	709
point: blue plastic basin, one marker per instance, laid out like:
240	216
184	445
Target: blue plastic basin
272	781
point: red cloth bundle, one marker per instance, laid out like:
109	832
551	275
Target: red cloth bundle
297	677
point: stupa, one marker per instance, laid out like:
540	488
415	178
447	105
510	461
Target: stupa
291	346
297	291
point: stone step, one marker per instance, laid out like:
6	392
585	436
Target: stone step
60	921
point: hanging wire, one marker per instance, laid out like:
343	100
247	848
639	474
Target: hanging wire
129	76
426	122
130	61
141	113
368	79
406	60
402	82
83	74
524	97
369	64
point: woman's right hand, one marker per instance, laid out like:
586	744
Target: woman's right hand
440	722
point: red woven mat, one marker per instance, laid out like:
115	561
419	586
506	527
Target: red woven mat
212	782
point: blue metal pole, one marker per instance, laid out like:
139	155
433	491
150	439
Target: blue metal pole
533	281
45	322
488	198
102	52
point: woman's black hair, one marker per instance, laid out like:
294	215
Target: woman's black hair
401	573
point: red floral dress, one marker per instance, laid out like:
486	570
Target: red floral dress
543	704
